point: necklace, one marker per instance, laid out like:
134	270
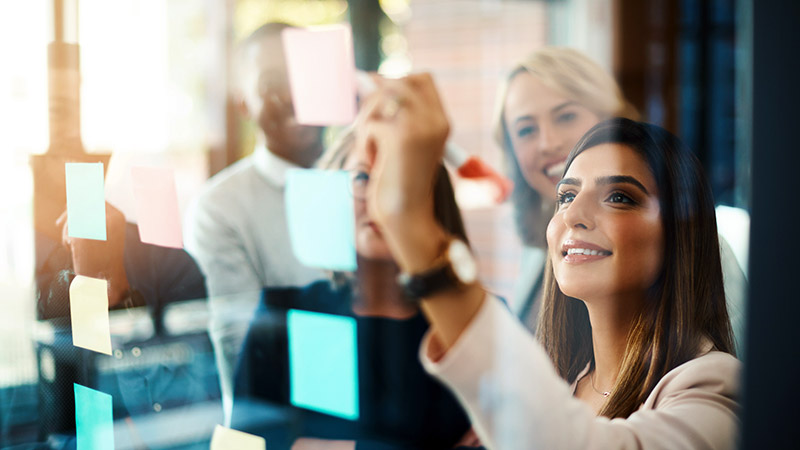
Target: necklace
603	393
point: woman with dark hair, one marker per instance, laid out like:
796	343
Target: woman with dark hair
635	347
400	405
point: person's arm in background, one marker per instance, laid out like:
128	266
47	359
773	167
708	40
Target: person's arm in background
101	259
159	275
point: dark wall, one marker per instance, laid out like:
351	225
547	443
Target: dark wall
771	395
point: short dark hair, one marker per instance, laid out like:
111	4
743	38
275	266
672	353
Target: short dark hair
242	60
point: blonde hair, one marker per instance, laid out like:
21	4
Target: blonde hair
336	155
576	77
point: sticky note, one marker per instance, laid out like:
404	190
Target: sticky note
323	363
88	309
94	419
157	206
321	218
86	205
228	439
322	74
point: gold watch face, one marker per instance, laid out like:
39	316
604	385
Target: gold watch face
462	262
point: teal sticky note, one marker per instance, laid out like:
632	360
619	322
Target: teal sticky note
321	218
86	204
323	363
94	419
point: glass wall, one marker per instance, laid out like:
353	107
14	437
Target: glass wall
239	278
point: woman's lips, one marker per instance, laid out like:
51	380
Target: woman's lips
574	251
555	170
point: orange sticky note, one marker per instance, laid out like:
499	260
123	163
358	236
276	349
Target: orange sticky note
322	74
88	309
157	206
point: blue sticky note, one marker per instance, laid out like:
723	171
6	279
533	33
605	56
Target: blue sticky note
94	419
321	218
86	204
323	363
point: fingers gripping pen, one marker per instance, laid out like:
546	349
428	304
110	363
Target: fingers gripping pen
466	165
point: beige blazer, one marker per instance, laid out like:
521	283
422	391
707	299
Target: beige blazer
515	399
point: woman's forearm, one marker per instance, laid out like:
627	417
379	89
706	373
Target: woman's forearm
417	242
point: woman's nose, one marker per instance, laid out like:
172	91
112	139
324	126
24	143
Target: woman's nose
580	213
550	141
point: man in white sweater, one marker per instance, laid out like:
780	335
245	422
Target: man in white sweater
236	229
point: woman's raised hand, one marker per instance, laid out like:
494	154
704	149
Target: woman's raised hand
403	128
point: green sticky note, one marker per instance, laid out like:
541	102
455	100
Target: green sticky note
321	218
94	419
86	204
323	363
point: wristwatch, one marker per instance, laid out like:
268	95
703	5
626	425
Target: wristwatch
455	269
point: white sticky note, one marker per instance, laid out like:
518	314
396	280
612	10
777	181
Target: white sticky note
228	439
88	308
322	74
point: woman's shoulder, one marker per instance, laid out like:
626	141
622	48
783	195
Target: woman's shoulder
713	373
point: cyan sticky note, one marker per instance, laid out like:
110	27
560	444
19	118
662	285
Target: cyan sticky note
322	74
228	439
323	363
321	218
157	206
86	204
94	419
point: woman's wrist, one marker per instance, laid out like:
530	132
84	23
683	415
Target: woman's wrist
416	240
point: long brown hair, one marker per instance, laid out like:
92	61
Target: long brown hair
686	305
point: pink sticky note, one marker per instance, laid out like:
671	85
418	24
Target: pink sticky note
322	74
157	206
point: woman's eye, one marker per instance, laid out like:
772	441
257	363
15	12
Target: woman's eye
565	197
527	131
619	197
361	178
566	117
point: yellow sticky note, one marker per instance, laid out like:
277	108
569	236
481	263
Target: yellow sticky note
227	439
88	307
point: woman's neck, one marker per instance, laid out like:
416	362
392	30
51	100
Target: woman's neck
378	292
611	321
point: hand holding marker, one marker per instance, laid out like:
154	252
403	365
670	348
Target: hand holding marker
467	166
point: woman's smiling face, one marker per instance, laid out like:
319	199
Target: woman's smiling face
543	127
606	237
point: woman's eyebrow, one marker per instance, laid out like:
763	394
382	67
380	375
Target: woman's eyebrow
562	106
626	179
569	181
526	117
